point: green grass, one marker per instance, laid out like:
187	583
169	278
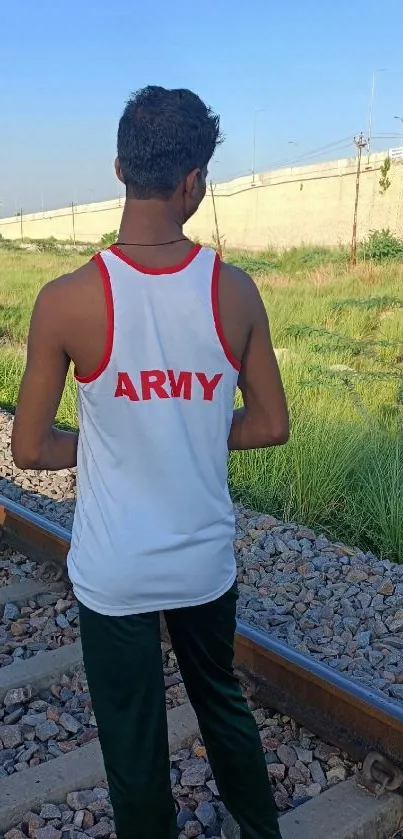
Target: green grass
292	260
22	274
342	471
338	473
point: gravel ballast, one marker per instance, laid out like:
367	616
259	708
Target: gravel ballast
339	605
15	567
46	622
38	727
299	765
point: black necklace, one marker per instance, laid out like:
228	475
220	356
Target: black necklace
152	244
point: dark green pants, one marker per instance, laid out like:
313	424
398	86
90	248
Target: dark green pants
123	663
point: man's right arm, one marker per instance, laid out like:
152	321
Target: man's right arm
263	421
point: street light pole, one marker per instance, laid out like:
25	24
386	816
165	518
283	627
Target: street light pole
371	111
371	107
401	120
259	111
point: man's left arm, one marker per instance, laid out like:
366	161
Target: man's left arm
35	442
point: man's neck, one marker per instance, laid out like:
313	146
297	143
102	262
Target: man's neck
149	222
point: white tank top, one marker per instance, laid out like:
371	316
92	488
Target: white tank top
154	525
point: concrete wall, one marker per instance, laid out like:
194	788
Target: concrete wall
299	205
85	223
304	205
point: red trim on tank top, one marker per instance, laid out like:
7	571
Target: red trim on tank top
216	314
110	324
145	269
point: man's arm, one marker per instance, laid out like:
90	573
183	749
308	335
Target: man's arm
263	421
35	442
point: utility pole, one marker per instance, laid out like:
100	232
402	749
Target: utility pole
360	142
74	223
217	231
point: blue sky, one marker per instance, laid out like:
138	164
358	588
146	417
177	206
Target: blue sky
66	69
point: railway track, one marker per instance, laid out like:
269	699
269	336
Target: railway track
364	723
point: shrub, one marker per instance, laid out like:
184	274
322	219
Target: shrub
382	245
109	239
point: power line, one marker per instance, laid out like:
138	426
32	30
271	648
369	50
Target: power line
385	136
336	145
333	146
285	163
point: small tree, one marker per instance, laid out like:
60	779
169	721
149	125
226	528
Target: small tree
384	181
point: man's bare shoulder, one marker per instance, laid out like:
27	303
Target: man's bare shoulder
70	293
70	284
238	286
238	303
236	276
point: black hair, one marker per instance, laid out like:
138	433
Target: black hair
163	135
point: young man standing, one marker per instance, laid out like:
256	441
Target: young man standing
160	333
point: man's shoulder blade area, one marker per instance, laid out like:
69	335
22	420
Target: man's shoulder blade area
69	291
71	282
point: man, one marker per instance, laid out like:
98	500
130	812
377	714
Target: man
160	333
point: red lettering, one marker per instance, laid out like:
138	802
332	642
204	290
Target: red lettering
167	384
208	386
182	383
125	387
153	380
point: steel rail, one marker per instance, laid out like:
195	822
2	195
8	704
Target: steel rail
339	710
32	533
343	712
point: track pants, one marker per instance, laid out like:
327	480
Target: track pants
122	657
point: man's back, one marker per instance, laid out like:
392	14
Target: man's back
77	304
154	524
